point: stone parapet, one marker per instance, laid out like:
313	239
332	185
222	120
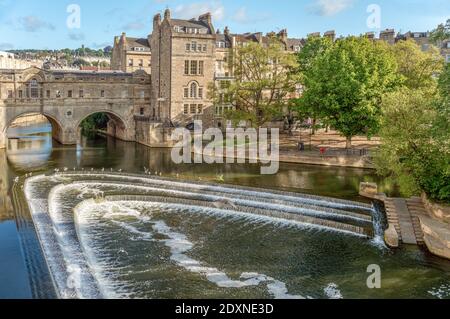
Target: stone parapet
439	211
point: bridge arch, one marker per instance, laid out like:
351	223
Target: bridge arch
57	128
117	126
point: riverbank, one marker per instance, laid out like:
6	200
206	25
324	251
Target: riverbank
414	221
323	149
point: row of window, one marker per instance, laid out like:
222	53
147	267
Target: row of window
196	47
193	109
193	91
222	44
190	30
140	63
35	94
193	67
221	109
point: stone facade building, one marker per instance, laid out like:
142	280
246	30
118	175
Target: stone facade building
189	55
131	54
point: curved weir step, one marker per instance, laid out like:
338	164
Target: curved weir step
261	212
219	198
53	198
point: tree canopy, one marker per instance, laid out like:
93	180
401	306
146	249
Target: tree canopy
441	33
418	68
264	79
346	82
415	133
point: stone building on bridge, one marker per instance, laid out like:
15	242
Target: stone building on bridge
66	98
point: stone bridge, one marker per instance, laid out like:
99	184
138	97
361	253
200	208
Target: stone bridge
66	98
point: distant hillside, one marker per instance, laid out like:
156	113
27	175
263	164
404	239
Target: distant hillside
67	58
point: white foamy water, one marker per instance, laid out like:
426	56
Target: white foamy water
212	198
178	244
73	252
441	292
332	291
298	198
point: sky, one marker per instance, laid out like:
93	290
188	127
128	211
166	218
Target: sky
56	24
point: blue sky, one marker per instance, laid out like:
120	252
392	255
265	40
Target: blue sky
41	24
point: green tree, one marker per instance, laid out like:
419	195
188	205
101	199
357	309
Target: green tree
418	68
314	48
94	122
347	82
415	148
441	33
264	78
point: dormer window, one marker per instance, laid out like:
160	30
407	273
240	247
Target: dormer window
297	48
220	44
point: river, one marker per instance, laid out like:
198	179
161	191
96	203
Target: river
32	150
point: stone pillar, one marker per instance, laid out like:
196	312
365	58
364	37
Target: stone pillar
2	139
68	136
156	135
3	124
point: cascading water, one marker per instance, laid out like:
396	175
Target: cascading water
379	224
107	235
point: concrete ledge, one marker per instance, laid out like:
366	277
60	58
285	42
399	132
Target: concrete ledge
340	161
436	236
332	161
391	237
440	211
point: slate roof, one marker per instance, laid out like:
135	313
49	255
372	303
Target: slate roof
138	42
193	23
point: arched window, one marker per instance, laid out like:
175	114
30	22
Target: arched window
34	89
194	90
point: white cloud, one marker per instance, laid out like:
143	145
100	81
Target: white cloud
330	7
241	15
6	46
76	36
134	25
33	23
194	10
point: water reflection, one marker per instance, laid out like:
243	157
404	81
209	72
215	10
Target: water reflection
30	147
34	150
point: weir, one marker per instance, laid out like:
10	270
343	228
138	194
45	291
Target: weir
68	208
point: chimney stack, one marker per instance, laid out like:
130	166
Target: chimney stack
330	34
167	14
207	18
283	34
156	21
